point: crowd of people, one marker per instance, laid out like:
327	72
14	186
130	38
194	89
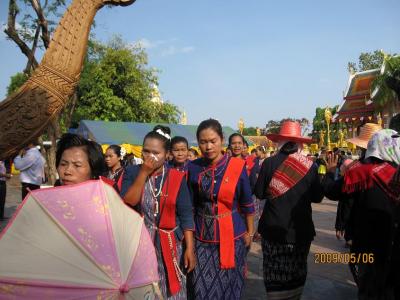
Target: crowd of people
204	210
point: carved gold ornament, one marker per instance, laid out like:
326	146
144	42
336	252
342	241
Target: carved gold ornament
27	112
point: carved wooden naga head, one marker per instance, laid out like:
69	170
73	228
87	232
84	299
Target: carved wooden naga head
119	2
25	114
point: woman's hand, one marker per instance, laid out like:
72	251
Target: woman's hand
248	239
339	234
150	164
331	163
189	260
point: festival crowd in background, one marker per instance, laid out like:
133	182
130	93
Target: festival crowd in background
204	210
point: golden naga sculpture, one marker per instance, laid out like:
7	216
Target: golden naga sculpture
328	119
27	112
241	125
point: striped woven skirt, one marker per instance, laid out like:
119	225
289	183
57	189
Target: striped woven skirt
209	281
285	269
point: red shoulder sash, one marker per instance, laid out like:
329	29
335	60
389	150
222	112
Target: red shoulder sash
167	226
250	162
225	198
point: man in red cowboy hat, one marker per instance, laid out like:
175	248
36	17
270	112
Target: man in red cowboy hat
289	182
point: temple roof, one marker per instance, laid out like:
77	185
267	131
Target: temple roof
357	99
359	85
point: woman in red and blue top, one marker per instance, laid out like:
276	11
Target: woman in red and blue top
179	152
162	196
221	196
114	159
238	146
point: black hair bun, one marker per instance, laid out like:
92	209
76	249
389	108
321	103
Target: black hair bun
164	129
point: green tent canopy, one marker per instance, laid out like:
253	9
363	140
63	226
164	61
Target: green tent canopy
104	132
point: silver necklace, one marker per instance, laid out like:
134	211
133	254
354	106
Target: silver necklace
155	195
112	175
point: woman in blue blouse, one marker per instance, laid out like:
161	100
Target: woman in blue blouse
179	152
162	196
221	197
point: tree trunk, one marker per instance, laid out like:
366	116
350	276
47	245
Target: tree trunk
53	133
69	110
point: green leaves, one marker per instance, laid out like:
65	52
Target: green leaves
319	123
386	86
367	61
117	85
16	81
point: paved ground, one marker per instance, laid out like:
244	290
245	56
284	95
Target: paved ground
324	281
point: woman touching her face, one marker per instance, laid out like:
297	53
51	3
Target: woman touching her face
161	194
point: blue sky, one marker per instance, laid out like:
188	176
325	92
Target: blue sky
256	59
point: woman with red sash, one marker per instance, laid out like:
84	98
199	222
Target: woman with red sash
161	194
238	146
221	189
114	158
179	152
375	214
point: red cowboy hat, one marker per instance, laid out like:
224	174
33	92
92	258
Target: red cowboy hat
290	131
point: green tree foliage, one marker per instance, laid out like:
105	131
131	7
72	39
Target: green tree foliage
251	131
274	126
386	86
117	84
319	124
367	61
16	81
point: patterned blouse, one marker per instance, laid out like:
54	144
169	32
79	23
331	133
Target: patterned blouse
184	215
205	181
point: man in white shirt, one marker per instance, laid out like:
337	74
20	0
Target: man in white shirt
30	162
3	187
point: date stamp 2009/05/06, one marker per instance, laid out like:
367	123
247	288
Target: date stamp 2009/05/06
343	258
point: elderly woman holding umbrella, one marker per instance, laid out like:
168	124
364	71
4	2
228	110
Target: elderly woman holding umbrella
82	240
78	160
289	183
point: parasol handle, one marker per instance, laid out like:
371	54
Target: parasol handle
123	289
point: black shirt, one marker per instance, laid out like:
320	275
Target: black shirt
375	220
288	218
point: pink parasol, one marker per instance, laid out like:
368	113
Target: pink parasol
77	242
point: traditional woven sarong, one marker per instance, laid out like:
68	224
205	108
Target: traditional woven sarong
181	295
148	204
209	281
285	269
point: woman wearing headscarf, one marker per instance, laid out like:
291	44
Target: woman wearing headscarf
344	209
375	217
289	182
